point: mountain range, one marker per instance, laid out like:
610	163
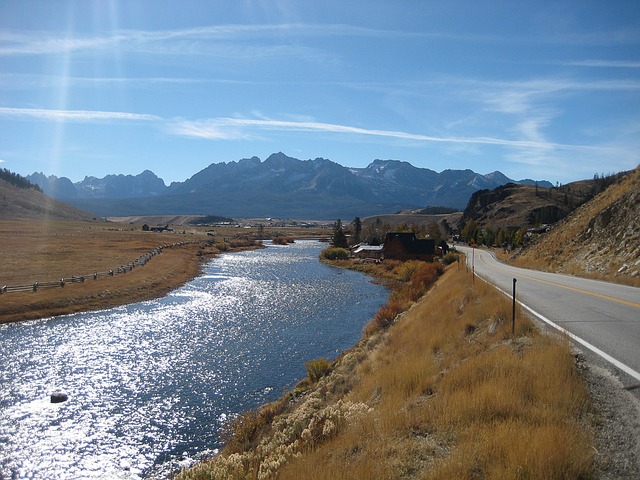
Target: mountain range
279	186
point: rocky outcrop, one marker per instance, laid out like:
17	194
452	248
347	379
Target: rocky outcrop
613	237
600	239
513	206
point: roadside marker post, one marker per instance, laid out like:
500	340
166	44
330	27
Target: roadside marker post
513	310
473	264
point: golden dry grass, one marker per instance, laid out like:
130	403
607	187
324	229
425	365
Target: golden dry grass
48	250
445	392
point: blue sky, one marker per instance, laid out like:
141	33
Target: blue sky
545	89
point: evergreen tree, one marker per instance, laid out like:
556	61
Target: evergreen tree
357	230
339	239
469	232
433	231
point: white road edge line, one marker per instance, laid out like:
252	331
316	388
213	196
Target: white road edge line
628	370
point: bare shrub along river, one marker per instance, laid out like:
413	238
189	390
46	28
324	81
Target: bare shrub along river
150	384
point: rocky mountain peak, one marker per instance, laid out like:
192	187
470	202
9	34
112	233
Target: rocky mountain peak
282	186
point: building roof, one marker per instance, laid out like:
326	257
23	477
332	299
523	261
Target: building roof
363	247
411	244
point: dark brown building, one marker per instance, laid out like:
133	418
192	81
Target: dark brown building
405	246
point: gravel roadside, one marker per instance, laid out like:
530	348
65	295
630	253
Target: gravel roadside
615	418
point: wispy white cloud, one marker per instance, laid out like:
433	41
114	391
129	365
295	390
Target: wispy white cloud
232	128
595	38
233	39
209	130
527	134
20	81
187	41
73	115
518	97
237	41
603	63
44	43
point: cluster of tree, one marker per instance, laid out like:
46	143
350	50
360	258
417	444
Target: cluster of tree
210	219
602	181
375	233
339	238
438	231
472	233
435	210
17	180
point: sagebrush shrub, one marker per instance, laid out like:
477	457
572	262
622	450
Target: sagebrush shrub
335	253
316	369
451	257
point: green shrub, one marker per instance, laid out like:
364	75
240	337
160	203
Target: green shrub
335	253
451	257
316	369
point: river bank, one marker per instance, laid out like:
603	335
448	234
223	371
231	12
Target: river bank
446	391
48	252
150	384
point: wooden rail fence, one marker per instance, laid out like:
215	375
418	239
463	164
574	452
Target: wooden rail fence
138	262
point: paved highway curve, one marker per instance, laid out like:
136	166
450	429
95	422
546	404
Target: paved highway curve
603	317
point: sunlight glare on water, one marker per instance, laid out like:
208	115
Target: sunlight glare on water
150	384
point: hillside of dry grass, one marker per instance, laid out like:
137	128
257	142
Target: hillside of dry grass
445	392
513	206
601	239
27	203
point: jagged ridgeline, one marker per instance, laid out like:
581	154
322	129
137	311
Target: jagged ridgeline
279	186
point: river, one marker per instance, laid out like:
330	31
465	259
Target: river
150	384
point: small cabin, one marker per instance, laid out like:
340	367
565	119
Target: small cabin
405	246
364	250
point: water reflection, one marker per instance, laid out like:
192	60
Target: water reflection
149	384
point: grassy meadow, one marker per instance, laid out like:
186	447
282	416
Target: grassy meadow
47	251
442	391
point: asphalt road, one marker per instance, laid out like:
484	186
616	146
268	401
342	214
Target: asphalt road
604	317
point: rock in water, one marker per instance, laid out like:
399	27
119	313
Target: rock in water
58	397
